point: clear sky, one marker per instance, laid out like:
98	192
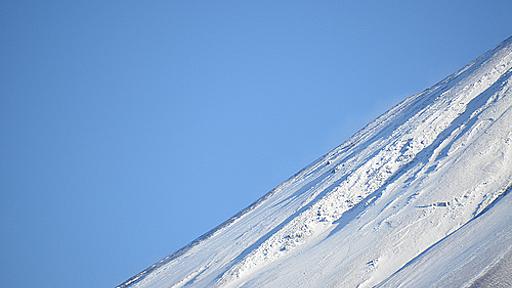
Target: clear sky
129	128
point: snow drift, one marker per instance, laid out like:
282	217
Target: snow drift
418	198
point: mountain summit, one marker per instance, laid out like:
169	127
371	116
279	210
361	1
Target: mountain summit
420	197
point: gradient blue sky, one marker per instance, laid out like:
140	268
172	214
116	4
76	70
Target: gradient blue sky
129	128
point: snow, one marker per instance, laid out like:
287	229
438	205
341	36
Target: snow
419	197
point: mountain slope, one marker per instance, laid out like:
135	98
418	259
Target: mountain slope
420	192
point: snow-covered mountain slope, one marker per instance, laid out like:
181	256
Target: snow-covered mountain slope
418	198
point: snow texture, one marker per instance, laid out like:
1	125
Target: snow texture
418	198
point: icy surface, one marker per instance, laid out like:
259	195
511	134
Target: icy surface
418	198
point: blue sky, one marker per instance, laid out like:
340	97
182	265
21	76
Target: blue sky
129	128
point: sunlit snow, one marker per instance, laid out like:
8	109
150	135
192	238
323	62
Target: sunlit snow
418	198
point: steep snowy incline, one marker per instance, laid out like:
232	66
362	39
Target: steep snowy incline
471	255
422	190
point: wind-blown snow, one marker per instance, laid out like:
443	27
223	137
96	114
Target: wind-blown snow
418	198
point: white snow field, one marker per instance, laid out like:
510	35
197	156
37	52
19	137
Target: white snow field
418	198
